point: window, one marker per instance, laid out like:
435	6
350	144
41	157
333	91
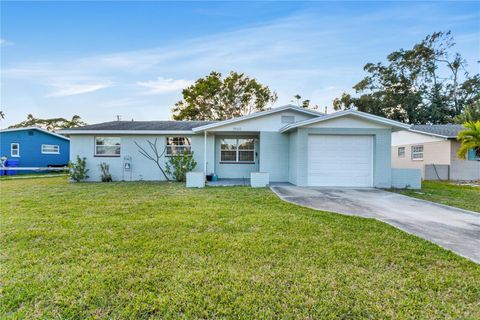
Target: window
15	150
474	154
288	119
237	150
178	145
401	152
107	146
50	148
417	152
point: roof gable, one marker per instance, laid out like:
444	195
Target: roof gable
35	128
258	115
350	113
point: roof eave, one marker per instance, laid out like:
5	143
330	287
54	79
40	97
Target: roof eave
125	132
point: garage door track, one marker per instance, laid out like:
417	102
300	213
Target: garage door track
454	229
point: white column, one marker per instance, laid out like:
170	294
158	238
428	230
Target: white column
205	153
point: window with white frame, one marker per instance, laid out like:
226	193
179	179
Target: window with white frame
237	150
15	150
417	152
50	148
107	146
178	145
401	152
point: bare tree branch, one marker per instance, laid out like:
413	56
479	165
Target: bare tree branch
156	159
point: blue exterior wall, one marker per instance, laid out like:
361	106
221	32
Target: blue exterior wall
274	154
30	141
382	173
235	170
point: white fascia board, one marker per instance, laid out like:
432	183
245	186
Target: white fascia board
431	134
127	132
256	115
35	128
359	114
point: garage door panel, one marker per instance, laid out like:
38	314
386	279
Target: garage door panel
336	160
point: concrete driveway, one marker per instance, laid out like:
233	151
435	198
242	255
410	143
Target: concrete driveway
454	229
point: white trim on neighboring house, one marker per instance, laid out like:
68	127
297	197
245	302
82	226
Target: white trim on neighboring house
359	114
36	128
18	150
432	134
256	115
127	132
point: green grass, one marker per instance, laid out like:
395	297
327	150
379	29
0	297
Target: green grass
158	250
449	193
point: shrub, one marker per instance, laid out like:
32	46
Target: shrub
106	176
178	165
78	170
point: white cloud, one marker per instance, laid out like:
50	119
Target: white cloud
70	89
5	42
163	85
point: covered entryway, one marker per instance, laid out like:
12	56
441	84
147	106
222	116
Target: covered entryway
340	160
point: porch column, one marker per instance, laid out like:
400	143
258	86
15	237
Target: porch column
205	153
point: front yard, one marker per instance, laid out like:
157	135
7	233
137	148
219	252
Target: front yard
449	193
157	250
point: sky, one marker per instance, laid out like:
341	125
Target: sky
103	59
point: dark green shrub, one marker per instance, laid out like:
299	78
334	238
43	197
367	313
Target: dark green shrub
178	165
78	170
106	176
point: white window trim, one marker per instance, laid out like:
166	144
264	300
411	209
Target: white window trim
105	145
398	152
168	154
237	151
50	145
18	150
417	152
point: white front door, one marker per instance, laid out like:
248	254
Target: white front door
340	160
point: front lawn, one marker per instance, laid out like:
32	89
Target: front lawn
157	250
449	193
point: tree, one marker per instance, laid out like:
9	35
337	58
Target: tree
303	103
2	115
217	98
155	155
419	85
471	113
470	139
52	124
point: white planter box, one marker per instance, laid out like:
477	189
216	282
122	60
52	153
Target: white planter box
195	180
259	179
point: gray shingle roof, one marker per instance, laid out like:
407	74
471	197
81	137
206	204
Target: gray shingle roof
144	125
446	130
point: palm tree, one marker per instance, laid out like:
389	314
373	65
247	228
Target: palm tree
470	139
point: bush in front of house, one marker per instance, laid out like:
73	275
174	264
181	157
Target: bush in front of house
78	170
178	165
106	176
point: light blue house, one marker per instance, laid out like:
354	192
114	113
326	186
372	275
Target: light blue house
34	147
291	144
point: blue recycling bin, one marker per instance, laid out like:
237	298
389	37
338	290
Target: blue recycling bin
12	163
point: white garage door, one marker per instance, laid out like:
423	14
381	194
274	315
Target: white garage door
343	161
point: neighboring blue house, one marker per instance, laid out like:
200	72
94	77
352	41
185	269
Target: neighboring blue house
34	147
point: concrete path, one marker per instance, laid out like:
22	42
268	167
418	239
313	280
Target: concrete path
454	229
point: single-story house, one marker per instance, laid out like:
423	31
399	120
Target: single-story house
34	147
433	149
292	144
